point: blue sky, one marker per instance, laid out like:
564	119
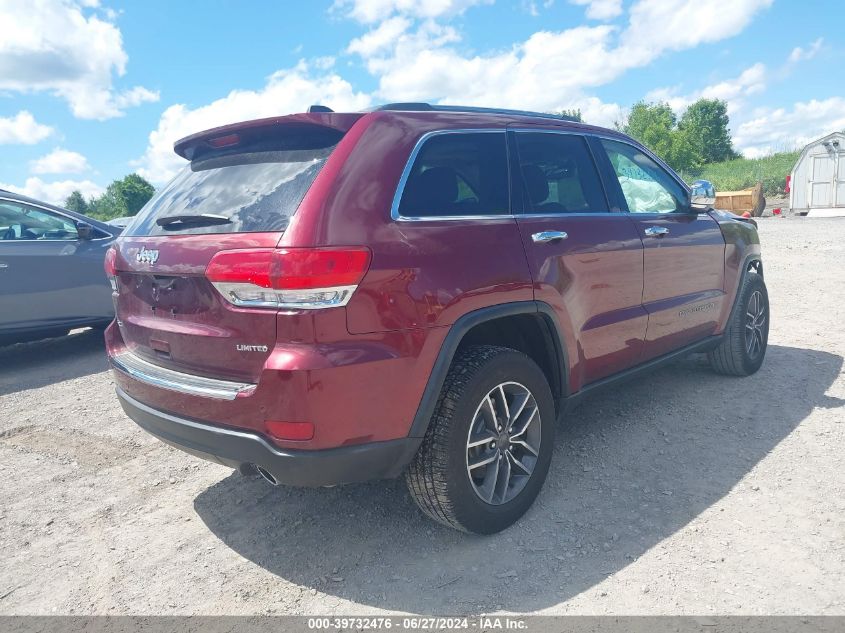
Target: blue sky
91	90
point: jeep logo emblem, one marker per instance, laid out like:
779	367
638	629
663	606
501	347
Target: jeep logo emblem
147	256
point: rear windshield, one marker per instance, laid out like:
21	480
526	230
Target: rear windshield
255	191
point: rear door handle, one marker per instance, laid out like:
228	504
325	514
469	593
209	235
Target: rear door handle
3	265
656	231
544	237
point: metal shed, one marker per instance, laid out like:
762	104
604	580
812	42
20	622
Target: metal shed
817	185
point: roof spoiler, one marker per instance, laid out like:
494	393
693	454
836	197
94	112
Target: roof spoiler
229	137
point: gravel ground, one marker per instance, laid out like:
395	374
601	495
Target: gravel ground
682	492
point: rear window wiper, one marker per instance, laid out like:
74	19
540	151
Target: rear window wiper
174	222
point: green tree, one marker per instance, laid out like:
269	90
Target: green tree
122	198
106	206
656	126
683	154
133	192
75	202
571	113
706	125
652	124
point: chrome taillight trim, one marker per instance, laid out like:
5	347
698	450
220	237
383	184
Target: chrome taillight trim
146	372
338	296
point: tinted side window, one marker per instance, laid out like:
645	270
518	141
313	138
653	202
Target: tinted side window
18	222
458	174
647	187
558	174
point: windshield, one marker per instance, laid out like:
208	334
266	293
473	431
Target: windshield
256	191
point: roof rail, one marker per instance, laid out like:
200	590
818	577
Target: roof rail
427	107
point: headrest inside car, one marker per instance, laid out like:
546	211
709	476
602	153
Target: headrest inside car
536	183
431	192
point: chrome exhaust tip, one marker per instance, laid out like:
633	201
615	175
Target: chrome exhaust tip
268	477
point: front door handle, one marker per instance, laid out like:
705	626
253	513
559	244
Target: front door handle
543	237
656	231
3	265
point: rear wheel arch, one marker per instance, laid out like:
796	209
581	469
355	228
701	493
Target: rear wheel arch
494	419
530	327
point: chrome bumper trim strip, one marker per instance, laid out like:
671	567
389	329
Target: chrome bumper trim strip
146	372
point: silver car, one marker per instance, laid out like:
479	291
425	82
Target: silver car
51	270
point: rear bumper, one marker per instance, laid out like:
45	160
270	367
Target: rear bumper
158	376
233	448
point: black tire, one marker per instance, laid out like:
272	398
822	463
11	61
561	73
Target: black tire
738	354
439	478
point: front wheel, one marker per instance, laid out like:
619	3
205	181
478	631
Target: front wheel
743	347
488	447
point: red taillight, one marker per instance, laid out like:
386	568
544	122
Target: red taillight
788	184
110	266
246	266
320	268
109	262
294	277
298	431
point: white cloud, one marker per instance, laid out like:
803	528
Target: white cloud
54	192
779	129
530	6
421	66
799	54
424	64
286	91
324	63
61	47
751	81
734	91
416	57
601	9
134	97
370	11
23	129
657	26
60	161
379	38
595	111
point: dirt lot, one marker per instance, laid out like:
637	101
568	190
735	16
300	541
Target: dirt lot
682	492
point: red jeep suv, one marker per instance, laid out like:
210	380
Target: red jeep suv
422	290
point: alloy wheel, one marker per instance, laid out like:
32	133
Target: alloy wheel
503	443
755	321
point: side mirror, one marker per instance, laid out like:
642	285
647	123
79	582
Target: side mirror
702	195
84	230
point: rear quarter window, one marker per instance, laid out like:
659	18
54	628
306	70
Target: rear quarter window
458	174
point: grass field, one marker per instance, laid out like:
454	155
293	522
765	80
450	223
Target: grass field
743	173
